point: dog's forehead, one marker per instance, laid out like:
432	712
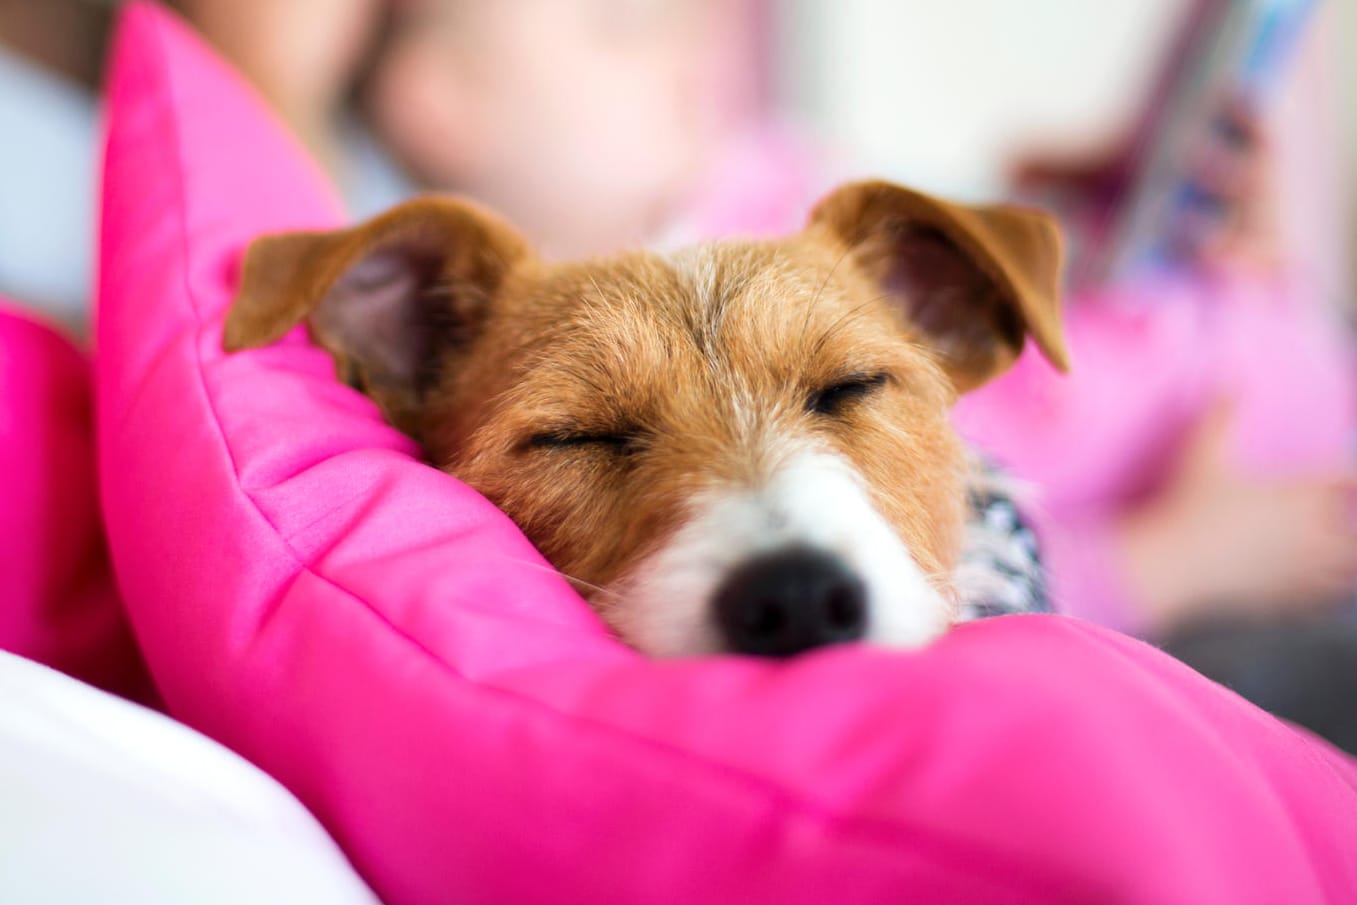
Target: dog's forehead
712	300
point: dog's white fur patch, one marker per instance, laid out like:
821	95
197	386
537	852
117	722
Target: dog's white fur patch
812	498
697	265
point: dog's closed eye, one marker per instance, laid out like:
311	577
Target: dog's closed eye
835	398
622	443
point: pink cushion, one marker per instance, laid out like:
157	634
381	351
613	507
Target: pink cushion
57	601
389	646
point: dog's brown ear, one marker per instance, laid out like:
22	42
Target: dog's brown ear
975	281
389	299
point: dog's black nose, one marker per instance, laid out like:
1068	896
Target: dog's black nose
786	602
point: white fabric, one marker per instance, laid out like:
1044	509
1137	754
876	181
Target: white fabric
104	801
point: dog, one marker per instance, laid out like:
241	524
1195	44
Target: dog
737	447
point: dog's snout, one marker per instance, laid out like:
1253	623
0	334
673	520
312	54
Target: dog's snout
790	601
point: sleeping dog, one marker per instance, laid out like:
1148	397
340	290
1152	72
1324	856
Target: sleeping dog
741	446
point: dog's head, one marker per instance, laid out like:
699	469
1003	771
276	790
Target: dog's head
741	446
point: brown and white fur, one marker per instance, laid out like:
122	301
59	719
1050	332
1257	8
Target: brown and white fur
657	423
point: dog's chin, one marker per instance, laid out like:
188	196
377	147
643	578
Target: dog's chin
669	604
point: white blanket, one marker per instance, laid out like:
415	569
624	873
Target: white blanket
105	801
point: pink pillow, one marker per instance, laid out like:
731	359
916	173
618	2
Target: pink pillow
57	601
389	646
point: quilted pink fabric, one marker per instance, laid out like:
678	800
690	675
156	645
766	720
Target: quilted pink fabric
389	646
57	601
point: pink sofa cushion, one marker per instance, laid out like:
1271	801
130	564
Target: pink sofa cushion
57	601
389	646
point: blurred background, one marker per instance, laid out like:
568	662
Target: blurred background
950	96
946	97
1193	481
1005	78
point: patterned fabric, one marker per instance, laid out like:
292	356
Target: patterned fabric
1000	571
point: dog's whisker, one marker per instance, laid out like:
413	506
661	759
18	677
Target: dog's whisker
598	588
819	292
829	276
842	321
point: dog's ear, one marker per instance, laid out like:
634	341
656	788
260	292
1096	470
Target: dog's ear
975	281
389	299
